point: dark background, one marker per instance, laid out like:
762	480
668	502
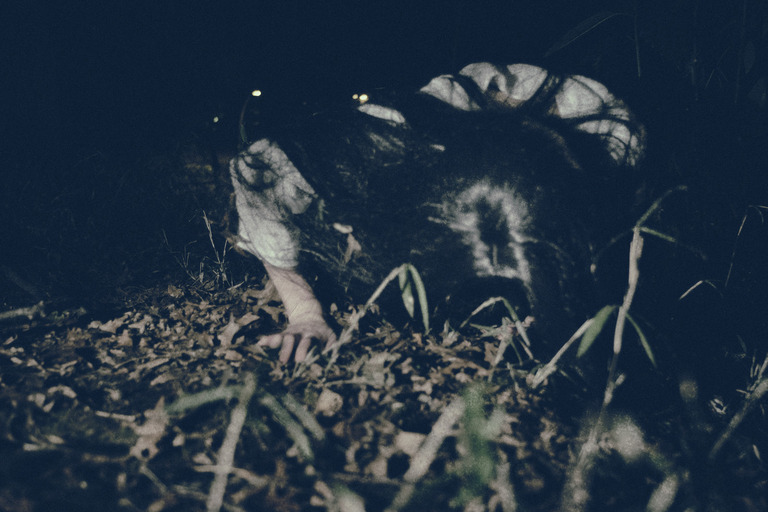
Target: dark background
100	71
100	95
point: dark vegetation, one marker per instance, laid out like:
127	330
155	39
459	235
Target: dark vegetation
129	376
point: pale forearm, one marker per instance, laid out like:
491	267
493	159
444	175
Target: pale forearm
305	316
296	294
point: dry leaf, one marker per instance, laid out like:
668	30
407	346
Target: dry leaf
228	332
329	403
111	326
151	432
125	339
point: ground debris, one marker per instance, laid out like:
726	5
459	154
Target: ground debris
129	411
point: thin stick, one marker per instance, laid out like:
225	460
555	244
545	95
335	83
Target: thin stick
760	391
544	372
29	312
226	456
421	461
576	495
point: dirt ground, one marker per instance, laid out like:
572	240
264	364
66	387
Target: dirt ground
163	402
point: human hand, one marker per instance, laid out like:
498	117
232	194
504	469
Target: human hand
302	332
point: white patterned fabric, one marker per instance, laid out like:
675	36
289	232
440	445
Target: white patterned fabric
577	97
269	190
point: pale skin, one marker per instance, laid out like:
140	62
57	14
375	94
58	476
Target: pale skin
305	316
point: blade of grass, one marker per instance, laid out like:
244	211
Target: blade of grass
421	292
406	291
354	320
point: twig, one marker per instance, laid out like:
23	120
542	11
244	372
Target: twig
760	391
421	461
576	494
544	372
28	312
226	456
505	492
635	251
512	313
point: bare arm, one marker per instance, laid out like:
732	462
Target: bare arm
305	316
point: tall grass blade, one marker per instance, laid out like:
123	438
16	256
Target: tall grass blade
409	278
421	292
406	291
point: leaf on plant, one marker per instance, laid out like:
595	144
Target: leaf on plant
421	291
409	278
198	400
304	416
643	340
591	334
659	234
406	292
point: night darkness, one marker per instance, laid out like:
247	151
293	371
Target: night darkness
93	89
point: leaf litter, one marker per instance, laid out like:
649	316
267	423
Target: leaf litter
169	405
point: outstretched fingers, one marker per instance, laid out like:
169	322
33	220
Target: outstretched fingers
299	336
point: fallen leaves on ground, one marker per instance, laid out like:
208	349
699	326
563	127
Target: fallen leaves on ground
134	410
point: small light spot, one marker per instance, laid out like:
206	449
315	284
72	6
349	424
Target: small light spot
256	93
216	119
